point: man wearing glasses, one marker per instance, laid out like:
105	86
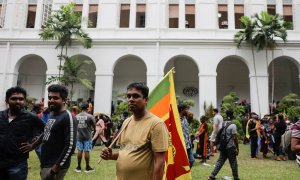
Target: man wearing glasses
143	142
17	129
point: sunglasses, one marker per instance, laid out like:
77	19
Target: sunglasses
17	98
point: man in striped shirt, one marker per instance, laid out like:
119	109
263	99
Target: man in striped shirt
59	138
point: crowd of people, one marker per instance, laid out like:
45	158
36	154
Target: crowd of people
54	133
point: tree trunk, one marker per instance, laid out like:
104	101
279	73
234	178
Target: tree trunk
258	99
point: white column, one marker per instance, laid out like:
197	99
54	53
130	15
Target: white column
263	92
181	19
111	9
207	8
207	91
39	15
132	18
163	14
296	14
279	7
103	92
85	14
152	14
231	17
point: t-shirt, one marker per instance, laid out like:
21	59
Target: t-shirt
252	125
218	120
85	126
296	134
231	129
59	140
137	143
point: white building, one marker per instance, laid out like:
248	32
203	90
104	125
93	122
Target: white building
140	40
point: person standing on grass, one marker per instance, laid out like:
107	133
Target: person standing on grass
252	126
295	140
59	140
143	142
232	149
86	124
203	138
280	127
183	112
217	124
17	129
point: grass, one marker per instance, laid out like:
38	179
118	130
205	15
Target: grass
262	169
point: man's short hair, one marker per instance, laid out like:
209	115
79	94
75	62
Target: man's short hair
62	90
140	87
182	107
16	89
216	110
84	106
280	116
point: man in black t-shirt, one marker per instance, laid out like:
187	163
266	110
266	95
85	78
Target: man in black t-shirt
17	129
59	138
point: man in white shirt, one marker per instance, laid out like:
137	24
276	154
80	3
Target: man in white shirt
217	125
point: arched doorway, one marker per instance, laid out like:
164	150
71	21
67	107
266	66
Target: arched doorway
232	76
185	80
86	71
32	75
286	77
129	68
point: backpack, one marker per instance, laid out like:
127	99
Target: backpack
221	141
286	139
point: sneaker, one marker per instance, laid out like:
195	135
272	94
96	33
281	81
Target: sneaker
78	169
89	170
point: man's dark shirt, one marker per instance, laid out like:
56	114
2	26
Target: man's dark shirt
20	130
252	125
280	128
59	140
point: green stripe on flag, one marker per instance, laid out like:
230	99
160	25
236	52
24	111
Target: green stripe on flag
159	92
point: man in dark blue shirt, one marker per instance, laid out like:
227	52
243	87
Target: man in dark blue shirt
17	129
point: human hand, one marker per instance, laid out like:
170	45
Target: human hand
50	175
106	154
26	147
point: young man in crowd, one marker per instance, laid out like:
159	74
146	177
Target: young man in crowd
183	112
217	125
143	142
59	138
86	124
231	151
17	128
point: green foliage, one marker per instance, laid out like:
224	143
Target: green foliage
120	108
64	25
194	126
230	101
29	102
189	102
290	105
208	110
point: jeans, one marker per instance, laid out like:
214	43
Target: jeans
190	156
15	172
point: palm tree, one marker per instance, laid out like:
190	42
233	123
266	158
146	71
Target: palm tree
64	25
261	32
74	73
268	29
246	35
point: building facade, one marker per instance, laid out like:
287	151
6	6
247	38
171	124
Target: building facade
141	40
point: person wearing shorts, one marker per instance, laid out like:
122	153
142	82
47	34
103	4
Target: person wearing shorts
86	124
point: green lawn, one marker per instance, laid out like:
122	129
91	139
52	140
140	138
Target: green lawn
262	169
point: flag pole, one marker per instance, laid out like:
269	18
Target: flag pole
116	138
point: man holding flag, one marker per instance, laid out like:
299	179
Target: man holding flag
143	140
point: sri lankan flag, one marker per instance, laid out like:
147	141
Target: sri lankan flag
162	103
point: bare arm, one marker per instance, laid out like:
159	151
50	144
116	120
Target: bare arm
295	144
159	161
215	129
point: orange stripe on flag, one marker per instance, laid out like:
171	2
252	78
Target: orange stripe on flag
161	108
